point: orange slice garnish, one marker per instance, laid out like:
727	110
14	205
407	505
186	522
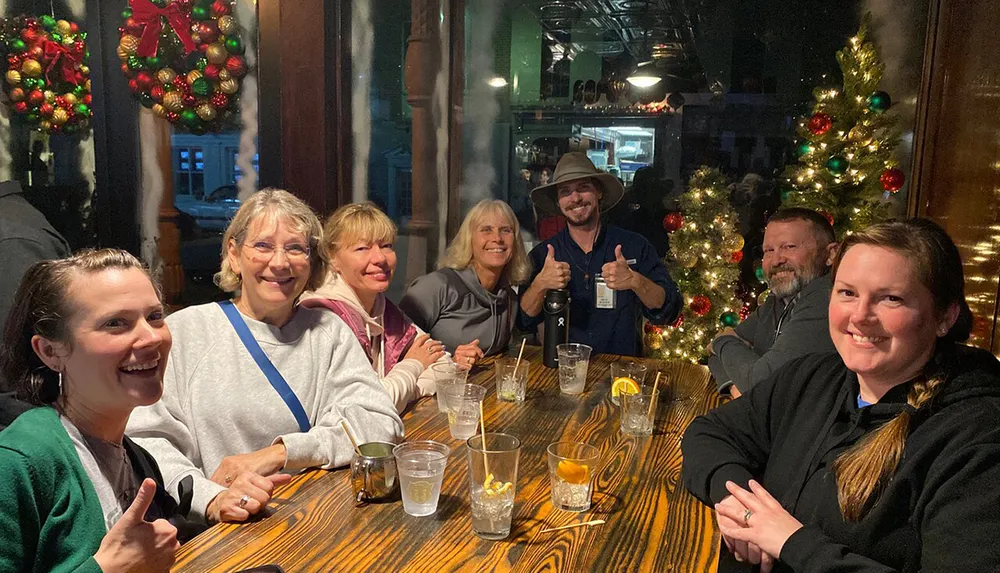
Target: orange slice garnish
624	385
572	472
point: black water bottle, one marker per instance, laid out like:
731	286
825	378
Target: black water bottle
556	309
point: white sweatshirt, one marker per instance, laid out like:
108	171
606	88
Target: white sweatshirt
217	402
408	380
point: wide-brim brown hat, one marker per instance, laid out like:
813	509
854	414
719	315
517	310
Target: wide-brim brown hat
572	166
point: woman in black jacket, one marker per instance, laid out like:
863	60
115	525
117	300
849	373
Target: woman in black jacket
882	457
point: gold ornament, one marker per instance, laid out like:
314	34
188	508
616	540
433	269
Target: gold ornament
13	77
50	96
733	242
687	260
68	41
59	116
860	134
165	76
227	25
654	341
128	44
224	75
86	86
70	98
196	38
63	27
45	125
229	86
193	75
84	70
122	54
173	101
159	110
206	111
216	54
763	296
31	68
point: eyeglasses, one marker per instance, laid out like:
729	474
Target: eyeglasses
264	251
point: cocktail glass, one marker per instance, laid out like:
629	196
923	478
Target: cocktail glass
421	470
571	474
463	403
573	362
493	483
511	385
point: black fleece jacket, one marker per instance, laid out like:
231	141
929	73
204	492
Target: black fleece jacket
940	511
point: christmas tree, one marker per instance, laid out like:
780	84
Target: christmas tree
846	167
705	251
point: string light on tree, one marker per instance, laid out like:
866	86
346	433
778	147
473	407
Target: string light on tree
846	167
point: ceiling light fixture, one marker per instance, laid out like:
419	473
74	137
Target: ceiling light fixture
497	82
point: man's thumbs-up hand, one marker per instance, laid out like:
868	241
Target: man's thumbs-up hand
617	273
554	274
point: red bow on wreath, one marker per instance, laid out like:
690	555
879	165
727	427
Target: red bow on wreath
148	14
69	60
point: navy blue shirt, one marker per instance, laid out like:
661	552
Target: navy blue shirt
614	331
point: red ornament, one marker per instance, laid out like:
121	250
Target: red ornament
220	100
36	52
127	71
189	100
17	94
236	66
211	72
736	257
157	93
14	61
172	117
133	27
700	305
21	107
87	99
828	216
744	311
672	222
46	109
820	123
36	97
208	31
74	27
892	180
29	35
677	323
220	8
133	85
61	102
144	80
180	82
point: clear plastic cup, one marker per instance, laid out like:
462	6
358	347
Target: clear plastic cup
511	385
635	371
493	483
638	412
573	362
421	471
463	403
571	473
446	374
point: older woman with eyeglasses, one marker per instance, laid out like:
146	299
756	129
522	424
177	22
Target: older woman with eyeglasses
257	386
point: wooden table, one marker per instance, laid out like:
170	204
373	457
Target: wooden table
652	523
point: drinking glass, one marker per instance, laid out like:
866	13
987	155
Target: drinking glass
493	483
634	371
463	403
571	474
573	362
511	385
421	470
446	374
638	412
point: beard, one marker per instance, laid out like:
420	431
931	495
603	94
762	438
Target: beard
581	220
790	285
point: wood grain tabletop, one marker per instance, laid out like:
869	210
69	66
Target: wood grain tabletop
651	522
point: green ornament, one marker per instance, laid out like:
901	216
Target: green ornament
785	195
126	13
200	13
198	129
17	45
837	165
39	83
146	100
154	62
234	45
78	91
190	118
159	3
47	22
135	63
878	102
28	83
32	117
82	109
803	149
729	319
201	64
759	273
55	37
201	87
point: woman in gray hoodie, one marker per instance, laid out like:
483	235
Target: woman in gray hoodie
469	303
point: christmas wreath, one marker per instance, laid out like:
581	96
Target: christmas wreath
184	60
47	80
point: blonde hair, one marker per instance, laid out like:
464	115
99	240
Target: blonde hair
866	468
458	256
274	205
357	222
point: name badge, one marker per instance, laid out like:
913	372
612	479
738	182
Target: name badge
604	295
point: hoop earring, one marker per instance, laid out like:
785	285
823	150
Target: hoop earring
60	384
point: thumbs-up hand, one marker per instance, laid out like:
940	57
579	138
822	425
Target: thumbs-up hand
134	544
617	274
554	274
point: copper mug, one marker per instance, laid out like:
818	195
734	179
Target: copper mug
373	473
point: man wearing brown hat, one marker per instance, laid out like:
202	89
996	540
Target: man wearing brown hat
613	276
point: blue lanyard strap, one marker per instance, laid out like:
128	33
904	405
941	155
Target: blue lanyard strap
270	372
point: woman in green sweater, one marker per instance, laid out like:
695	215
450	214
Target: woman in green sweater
86	343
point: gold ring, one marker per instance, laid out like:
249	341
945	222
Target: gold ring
229	479
746	516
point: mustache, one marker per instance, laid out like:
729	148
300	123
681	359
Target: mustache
782	268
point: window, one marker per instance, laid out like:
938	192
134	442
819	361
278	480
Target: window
234	169
189	172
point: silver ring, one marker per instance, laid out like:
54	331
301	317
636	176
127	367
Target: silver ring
746	516
243	501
